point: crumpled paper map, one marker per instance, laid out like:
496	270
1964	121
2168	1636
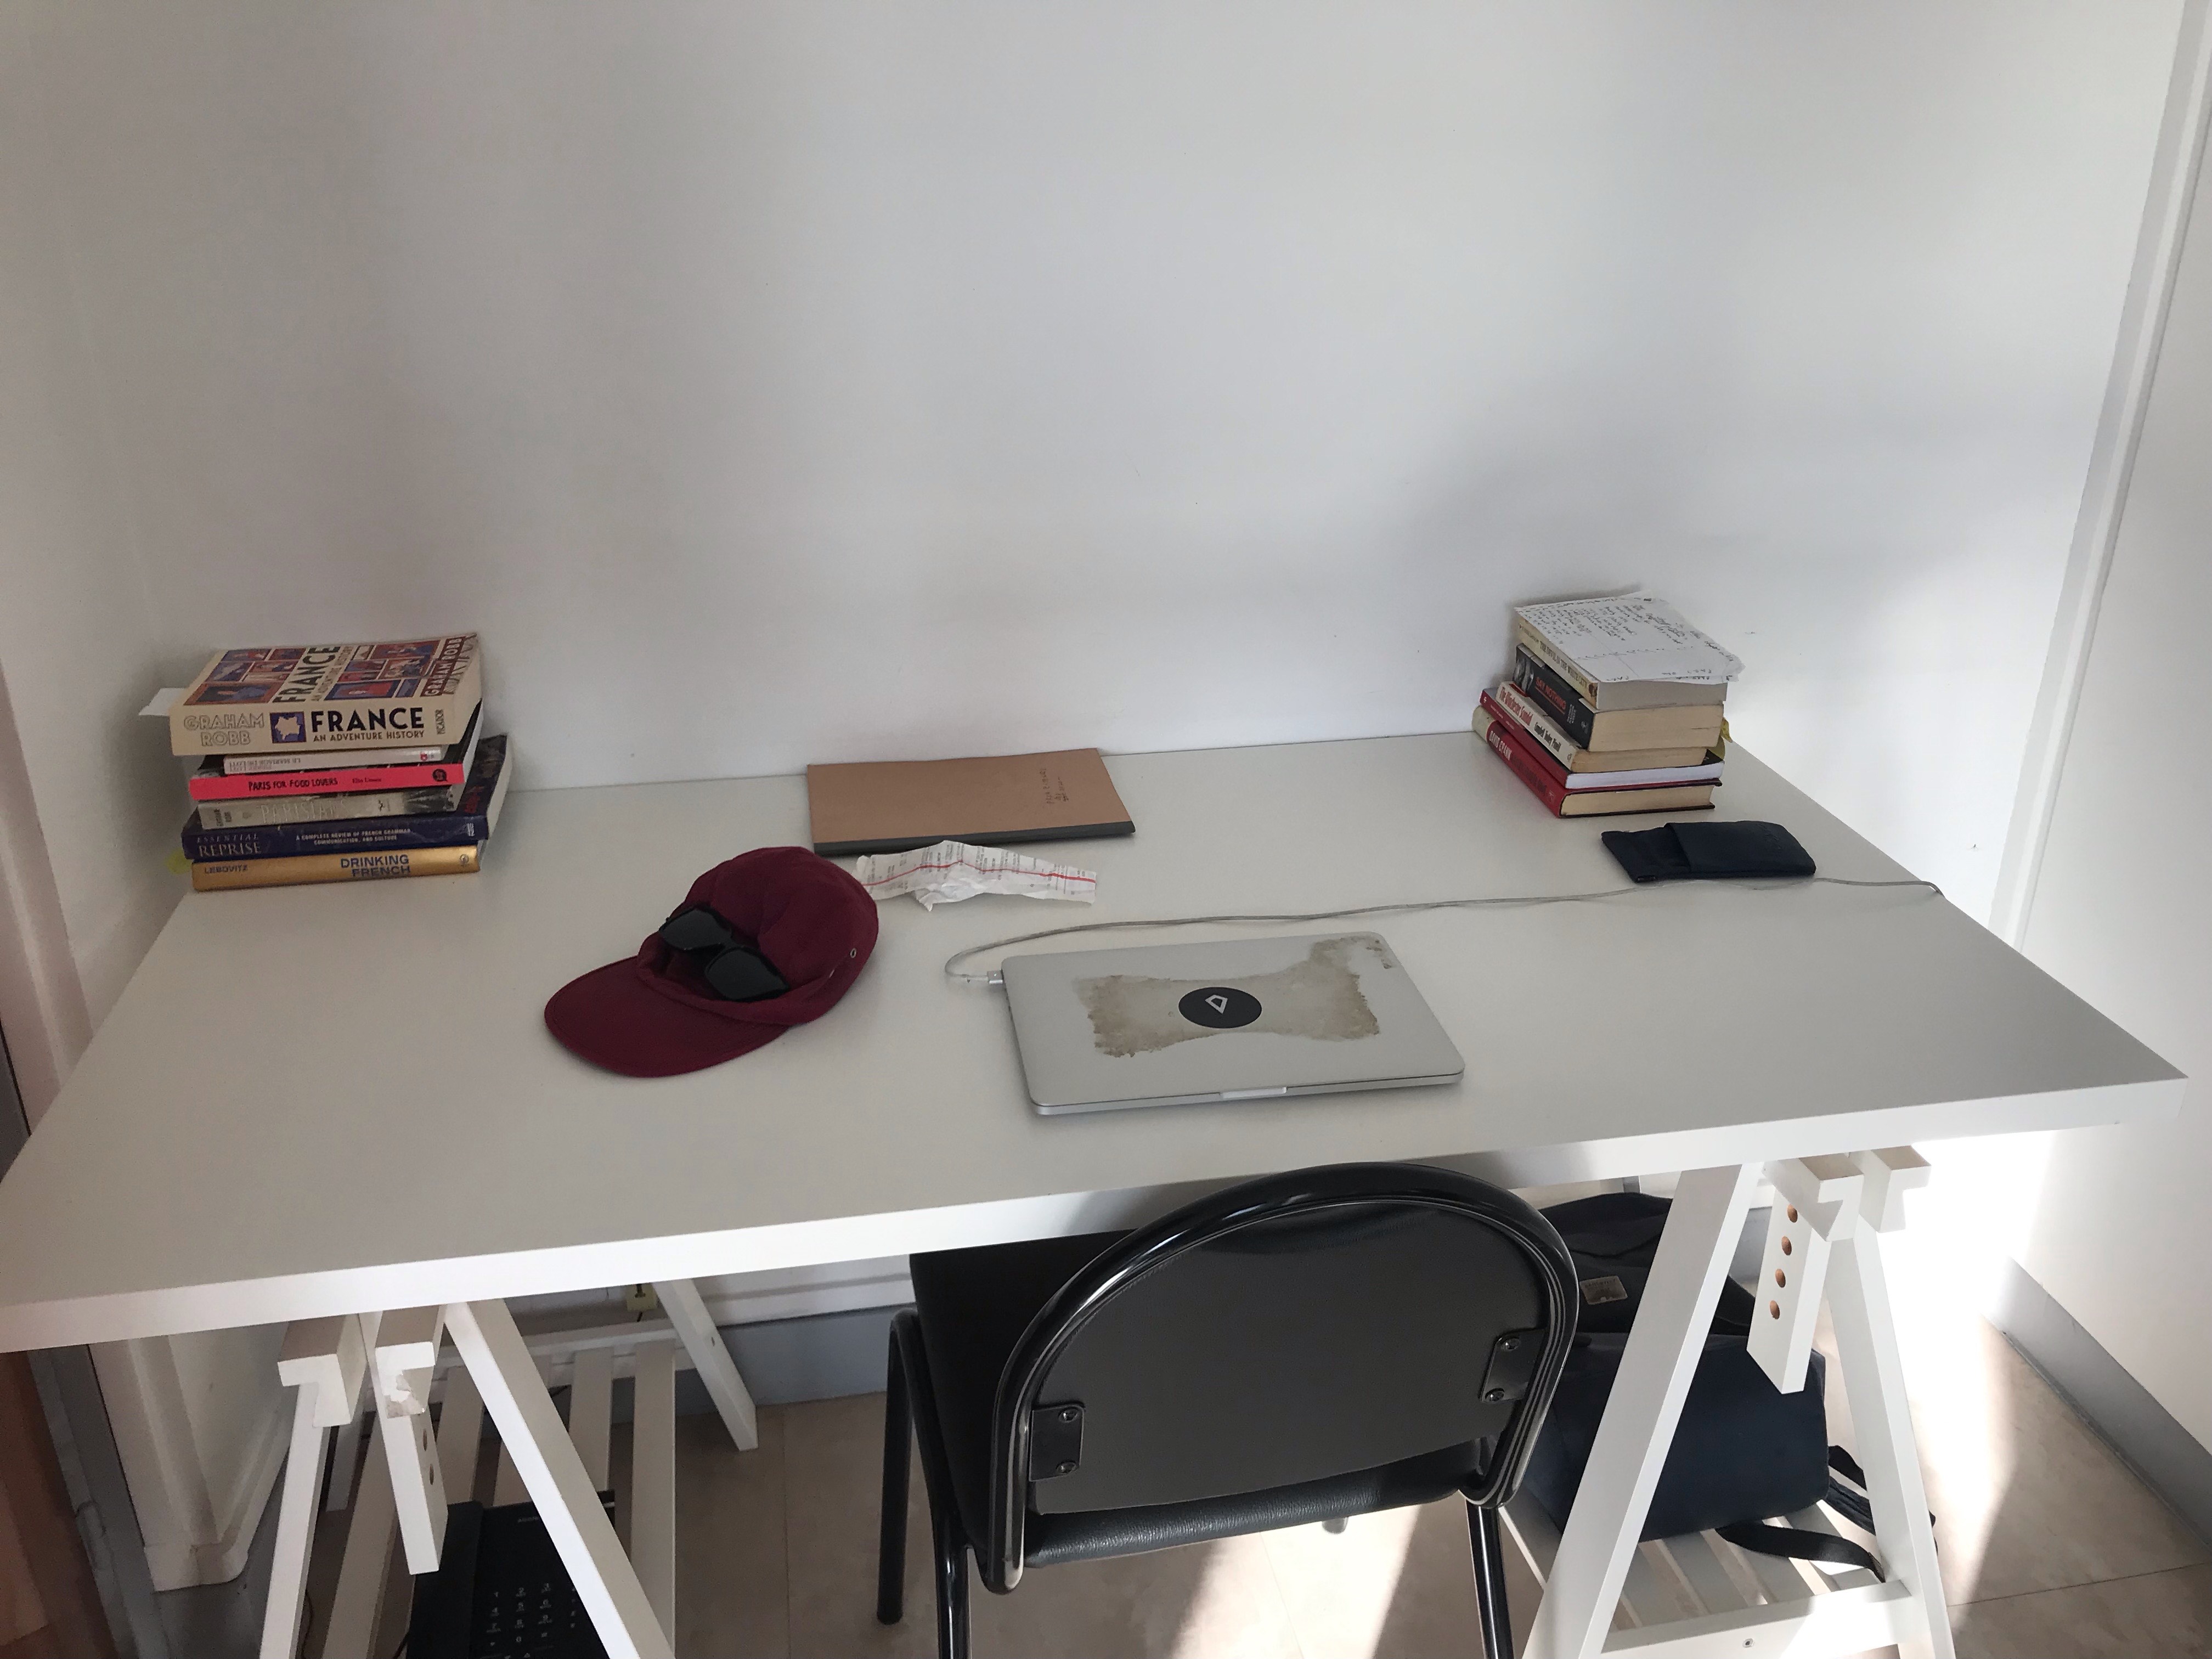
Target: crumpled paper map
953	870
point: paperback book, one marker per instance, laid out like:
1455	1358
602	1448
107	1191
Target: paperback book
326	809
1635	650
212	782
1617	729
290	698
1702	770
410	755
1520	710
214	876
471	821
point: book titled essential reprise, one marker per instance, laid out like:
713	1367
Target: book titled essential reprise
890	806
290	698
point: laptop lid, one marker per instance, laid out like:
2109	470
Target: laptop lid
1230	1019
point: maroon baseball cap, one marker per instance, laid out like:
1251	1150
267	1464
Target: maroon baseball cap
652	1015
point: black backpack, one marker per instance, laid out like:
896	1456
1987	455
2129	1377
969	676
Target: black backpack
1743	1450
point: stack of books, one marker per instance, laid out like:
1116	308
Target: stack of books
1611	706
338	763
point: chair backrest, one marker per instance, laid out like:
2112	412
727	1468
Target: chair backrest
1287	1330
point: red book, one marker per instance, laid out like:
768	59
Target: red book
1519	751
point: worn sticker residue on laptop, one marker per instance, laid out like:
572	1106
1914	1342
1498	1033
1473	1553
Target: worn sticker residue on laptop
1319	997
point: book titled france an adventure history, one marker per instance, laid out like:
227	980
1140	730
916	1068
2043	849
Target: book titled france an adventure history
270	699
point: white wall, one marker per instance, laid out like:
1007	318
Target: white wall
197	1420
786	382
2122	911
777	382
76	639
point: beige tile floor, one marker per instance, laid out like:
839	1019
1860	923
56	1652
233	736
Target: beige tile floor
2050	1548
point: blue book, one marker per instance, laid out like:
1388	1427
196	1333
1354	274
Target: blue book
471	821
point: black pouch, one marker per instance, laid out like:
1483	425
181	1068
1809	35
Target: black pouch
1703	850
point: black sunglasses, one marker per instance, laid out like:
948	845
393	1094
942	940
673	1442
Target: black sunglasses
733	970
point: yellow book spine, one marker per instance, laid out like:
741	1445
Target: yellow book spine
214	875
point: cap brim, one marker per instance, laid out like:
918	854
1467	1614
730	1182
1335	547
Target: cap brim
611	1018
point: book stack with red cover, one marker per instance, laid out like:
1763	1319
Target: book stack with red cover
338	763
1612	706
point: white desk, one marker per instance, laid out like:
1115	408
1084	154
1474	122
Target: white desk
321	1100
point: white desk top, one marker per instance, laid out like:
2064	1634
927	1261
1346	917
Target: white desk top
321	1099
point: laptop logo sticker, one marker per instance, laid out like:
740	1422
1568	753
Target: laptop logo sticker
1220	1007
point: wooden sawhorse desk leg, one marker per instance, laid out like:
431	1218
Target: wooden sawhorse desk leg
1575	1619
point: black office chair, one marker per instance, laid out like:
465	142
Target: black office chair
1304	1347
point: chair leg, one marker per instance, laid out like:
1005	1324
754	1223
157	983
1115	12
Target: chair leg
890	1549
1489	1583
951	1588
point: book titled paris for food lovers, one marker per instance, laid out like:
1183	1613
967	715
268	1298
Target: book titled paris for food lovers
275	699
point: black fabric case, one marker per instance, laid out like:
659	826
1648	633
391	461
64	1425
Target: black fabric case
1691	851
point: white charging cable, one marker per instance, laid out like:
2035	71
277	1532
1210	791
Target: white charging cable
993	977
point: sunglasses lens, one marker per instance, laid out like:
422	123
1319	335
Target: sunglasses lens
695	929
739	975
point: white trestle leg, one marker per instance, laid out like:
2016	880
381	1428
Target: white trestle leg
323	1359
710	1356
406	1354
362	1571
591	1403
1655	1367
1699	1596
545	1459
460	1435
1882	1418
652	1480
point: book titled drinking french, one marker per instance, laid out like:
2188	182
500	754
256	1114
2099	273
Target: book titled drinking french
292	698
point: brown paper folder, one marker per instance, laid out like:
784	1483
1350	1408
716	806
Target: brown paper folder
888	806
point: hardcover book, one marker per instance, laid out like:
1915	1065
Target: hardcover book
471	821
212	782
286	699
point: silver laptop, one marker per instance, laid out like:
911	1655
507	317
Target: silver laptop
1235	1019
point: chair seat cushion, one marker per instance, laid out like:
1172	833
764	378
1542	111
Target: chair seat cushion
975	1304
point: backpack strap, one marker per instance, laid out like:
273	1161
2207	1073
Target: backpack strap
1847	1496
1849	1501
1799	1545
